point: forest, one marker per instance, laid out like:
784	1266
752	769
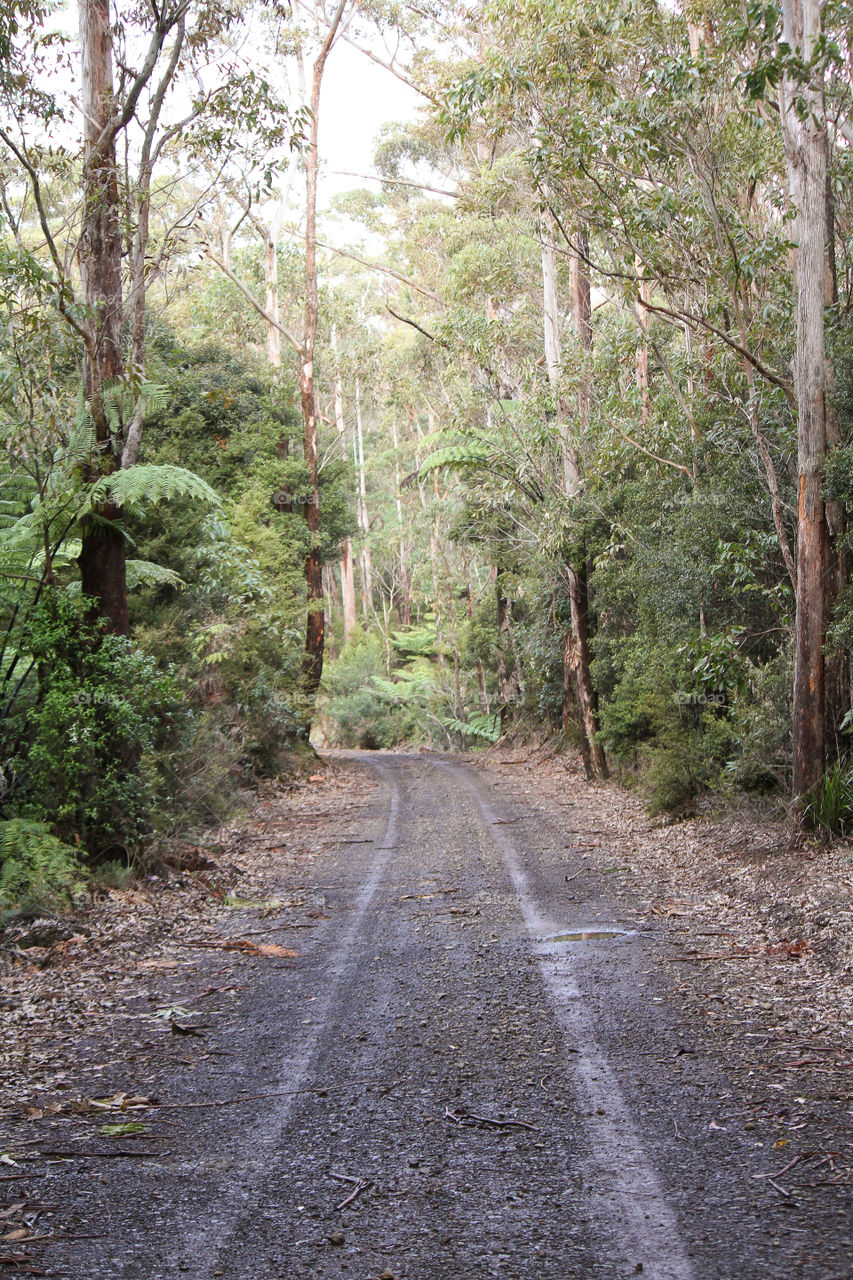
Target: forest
542	428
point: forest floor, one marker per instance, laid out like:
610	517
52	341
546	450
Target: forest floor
527	1031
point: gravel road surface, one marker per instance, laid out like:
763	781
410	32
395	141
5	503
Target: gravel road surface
494	1077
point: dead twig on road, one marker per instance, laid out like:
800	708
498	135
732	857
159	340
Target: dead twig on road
361	1184
472	1118
259	1097
94	1155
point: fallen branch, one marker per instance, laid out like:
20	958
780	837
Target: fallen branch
250	948
259	1097
95	1155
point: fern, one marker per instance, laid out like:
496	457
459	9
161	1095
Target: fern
144	573
417	641
35	867
133	486
408	687
486	728
123	399
456	455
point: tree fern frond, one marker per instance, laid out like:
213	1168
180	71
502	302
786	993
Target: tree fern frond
456	455
123	399
151	484
143	573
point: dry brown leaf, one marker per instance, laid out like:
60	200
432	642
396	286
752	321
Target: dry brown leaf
250	948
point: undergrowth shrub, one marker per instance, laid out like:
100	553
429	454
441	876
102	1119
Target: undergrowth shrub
830	808
85	739
355	710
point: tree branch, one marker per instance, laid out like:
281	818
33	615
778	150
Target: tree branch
252	300
386	271
27	164
397	182
395	71
684	317
665	462
114	126
413	323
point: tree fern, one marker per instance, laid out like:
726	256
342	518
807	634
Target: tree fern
416	641
484	727
123	399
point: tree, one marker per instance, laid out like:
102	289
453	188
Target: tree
577	655
804	130
326	30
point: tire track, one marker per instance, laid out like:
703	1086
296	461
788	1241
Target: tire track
201	1251
626	1196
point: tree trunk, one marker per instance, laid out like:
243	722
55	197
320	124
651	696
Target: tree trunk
331	601
347	577
312	668
271	298
405	608
804	135
838	692
348	589
102	554
642	356
361	505
506	673
576	651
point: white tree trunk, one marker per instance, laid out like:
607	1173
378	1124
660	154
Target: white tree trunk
803	122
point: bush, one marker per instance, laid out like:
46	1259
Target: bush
85	740
356	713
670	782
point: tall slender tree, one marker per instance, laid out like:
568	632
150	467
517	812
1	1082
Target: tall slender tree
803	119
102	554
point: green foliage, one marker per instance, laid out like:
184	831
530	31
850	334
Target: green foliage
80	747
149	485
670	783
360	704
455	456
36	868
831	807
479	727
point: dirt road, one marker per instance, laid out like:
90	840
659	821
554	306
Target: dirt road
493	1075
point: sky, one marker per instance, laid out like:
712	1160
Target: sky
359	97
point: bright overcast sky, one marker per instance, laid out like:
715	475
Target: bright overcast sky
359	97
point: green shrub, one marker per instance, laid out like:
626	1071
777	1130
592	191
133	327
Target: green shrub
831	807
670	781
85	744
355	711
